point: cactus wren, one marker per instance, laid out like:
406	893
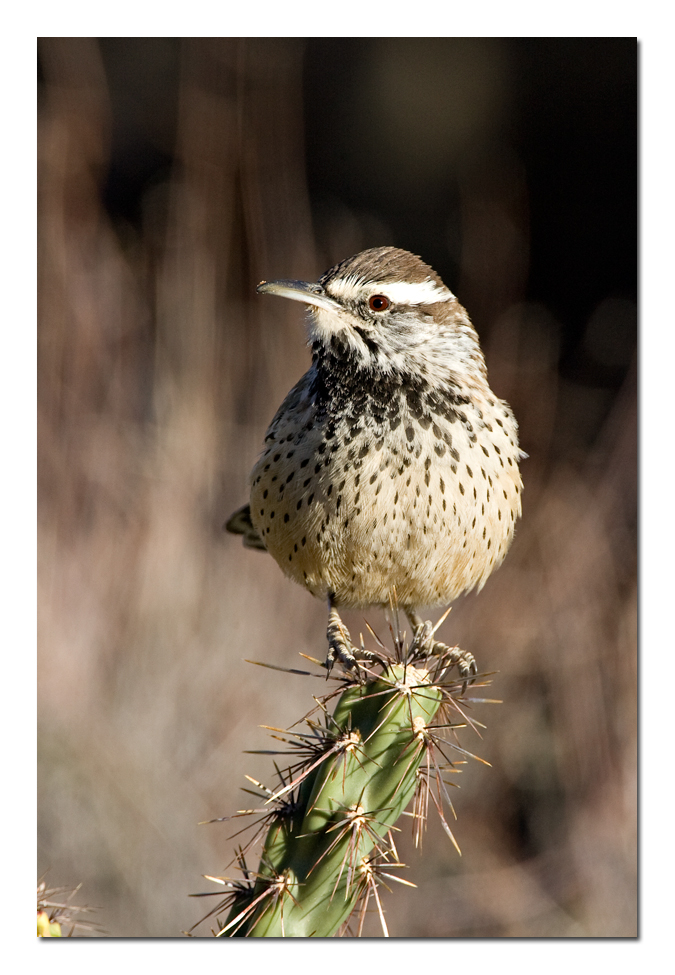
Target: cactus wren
391	465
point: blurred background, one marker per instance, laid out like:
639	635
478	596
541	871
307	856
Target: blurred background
173	176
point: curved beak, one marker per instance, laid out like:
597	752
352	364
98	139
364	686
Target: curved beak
309	294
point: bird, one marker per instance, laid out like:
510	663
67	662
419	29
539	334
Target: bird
391	469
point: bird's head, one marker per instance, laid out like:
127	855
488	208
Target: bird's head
386	311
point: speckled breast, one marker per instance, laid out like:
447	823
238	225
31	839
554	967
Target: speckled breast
418	500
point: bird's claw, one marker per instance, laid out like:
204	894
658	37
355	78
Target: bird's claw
342	650
424	645
340	647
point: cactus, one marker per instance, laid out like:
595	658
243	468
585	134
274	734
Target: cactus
55	910
47	928
329	825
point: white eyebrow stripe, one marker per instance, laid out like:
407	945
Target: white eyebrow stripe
399	292
406	293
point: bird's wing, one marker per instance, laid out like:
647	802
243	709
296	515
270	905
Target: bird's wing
240	524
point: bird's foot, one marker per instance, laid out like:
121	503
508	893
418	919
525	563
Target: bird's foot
340	647
424	645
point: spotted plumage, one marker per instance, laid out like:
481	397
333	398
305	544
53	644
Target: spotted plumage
390	464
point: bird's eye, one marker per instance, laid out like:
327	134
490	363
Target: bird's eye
379	303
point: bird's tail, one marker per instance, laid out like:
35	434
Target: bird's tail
240	524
